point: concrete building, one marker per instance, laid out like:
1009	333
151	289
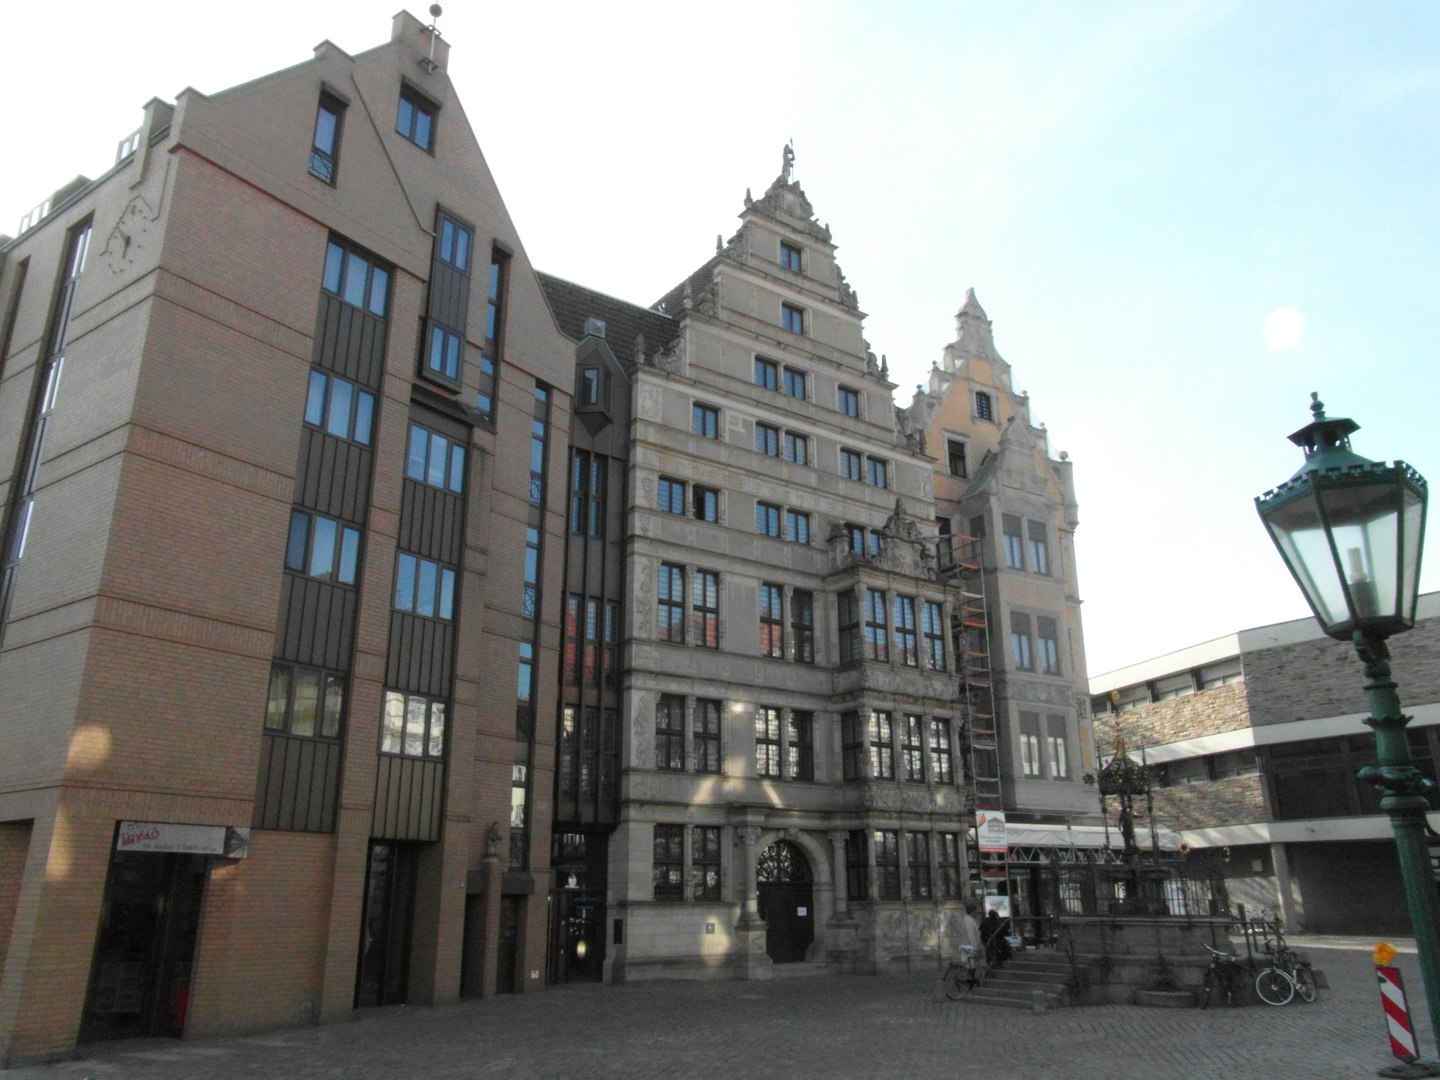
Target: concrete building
274	556
1253	741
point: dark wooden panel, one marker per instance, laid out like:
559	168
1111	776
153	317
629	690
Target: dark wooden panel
432	522
409	799
420	654
449	296
332	476
298	784
350	342
317	623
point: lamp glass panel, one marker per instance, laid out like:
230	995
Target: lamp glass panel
1364	522
1299	533
1412	526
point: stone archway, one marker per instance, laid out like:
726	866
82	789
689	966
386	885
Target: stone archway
784	883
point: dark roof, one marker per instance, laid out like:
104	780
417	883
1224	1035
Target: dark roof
699	282
573	304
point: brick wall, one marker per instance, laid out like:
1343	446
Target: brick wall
1208	712
1235	800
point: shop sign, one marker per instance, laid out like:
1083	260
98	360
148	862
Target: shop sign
990	831
226	841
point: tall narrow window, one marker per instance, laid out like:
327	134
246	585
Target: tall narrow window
1047	644
705	421
905	631
877	473
877	644
767	742
790	256
794	383
912	748
849	464
611	664
772	626
792	318
852	746
984	407
855	538
494	329
849	622
1030	744
944	544
706	736
705	503
1020	641
705	862
671	495
570	665
670	620
947	854
592	641
767	440
933	625
848	401
882	746
797	527
1057	756
668	872
1039	548
767	373
917	859
325	147
942	770
800	745
956	453
670	732
857	865
530	594
705	609
1014	541
767	519
887	863
797	448
416	118
802	625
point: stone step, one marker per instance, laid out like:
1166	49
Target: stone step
1030	975
1009	999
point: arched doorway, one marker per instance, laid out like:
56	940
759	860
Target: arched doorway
787	901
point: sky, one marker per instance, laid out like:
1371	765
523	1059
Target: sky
1181	217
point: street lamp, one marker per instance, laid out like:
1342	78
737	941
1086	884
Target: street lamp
1350	531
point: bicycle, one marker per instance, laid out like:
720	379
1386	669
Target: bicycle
1225	975
965	974
1274	986
1286	959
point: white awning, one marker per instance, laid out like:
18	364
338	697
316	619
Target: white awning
1083	836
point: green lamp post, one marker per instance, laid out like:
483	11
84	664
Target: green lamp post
1350	531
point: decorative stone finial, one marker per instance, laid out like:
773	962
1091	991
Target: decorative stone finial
719	244
787	162
1317	407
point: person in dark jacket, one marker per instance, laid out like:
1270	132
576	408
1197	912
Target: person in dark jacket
993	931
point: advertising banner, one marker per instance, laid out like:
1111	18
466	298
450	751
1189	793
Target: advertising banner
226	841
990	831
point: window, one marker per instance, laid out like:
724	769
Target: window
1181	684
524	686
424	587
530	602
1221	674
519	834
767	440
887	863
705	421
849	464
792	318
705	609
455	245
848	401
339	407
416	118
1020	641
705	862
445	352
877	542
356	279
767	742
984	409
947	854
669	865
941	769
570	665
767	373
321	547
905	631
772	638
767	519
303	701
797	527
849	623
539	437
672	495
956	451
1057	757
588	392
325	147
705	503
857	866
794	384
670	621
852	746
917	859
802	625
494	326
707	736
612	642
800	751
1014	542
435	460
413	726
882	747
1030	744
797	448
877	645
1047	644
932	624
1039	549
912	748
670	733
877	473
789	256
855	538
587	493
944	544
1235	763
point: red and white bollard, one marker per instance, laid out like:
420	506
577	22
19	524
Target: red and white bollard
1397	1019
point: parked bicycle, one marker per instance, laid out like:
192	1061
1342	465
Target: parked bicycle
1286	959
965	974
1225	978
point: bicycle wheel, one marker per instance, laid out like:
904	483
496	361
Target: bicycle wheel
958	982
1274	986
1208	987
1305	987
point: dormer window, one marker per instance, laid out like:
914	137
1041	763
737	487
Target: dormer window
789	256
984	407
416	118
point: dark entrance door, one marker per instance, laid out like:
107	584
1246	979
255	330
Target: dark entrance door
384	969
783	880
145	949
508	943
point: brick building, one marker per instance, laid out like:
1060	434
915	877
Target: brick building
277	556
1253	741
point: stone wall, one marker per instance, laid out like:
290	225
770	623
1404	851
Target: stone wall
1208	712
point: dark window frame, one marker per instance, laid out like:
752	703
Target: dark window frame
281	716
395	740
792	318
704	420
668	862
670	733
325	160
847	401
791	257
417	116
769	762
772	620
705	609
852	465
800	745
670	604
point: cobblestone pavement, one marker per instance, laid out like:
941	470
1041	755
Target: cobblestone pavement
840	1026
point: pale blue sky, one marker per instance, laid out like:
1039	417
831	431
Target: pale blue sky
1131	188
